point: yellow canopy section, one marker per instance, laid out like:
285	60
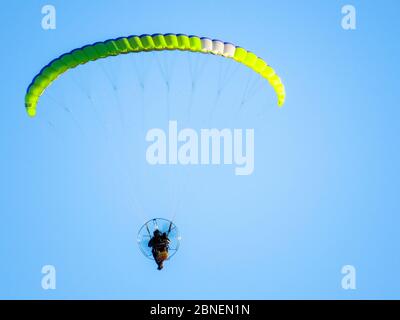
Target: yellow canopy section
159	42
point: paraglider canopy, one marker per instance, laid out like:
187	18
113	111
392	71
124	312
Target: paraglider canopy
146	232
145	43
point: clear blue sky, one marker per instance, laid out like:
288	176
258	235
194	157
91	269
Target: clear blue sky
75	186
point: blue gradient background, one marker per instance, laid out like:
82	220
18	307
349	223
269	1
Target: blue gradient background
325	191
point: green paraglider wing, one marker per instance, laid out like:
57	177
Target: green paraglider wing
146	42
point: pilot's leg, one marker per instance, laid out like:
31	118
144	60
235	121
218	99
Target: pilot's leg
154	252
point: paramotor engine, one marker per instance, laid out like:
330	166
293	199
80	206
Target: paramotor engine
163	225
